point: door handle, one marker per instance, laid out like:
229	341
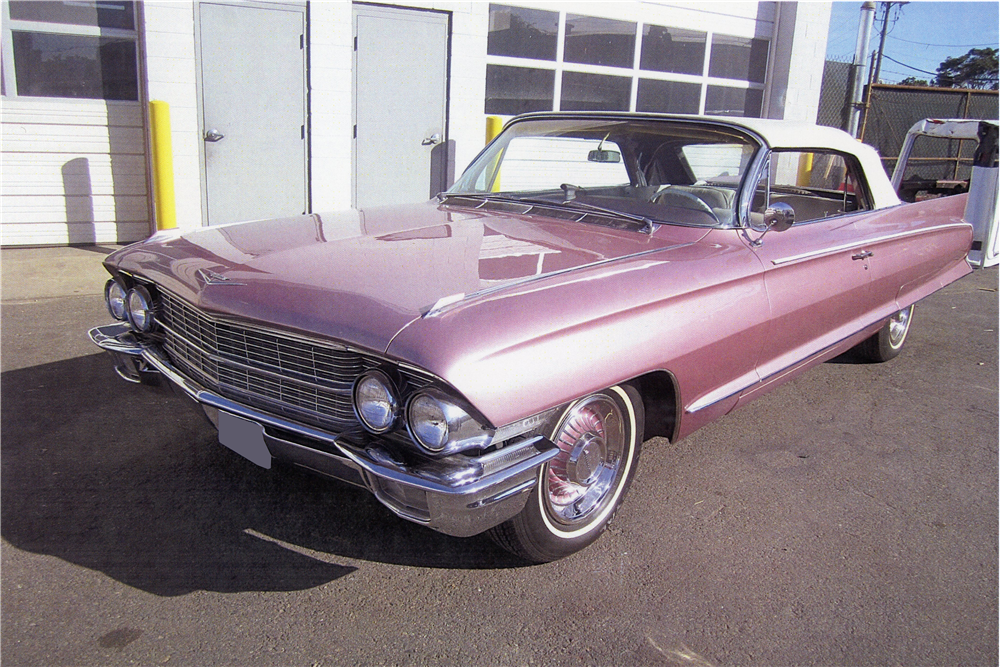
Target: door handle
214	135
865	254
431	140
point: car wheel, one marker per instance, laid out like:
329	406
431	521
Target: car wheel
599	439
889	340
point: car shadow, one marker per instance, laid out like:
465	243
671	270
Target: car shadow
129	482
850	358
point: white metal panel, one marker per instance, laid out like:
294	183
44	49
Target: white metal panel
72	233
73	171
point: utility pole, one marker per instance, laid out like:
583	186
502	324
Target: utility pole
876	71
858	66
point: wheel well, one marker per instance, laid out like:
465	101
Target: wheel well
659	399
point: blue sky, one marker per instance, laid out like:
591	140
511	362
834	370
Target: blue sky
923	35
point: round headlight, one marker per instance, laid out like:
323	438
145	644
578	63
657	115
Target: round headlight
114	296
375	401
428	422
140	309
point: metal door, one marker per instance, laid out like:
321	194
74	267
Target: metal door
253	111
400	103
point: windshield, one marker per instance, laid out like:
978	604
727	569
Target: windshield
661	170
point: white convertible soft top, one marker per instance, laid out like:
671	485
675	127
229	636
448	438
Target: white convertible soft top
798	135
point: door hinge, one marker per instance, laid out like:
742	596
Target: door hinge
302	41
303	131
355	131
355	42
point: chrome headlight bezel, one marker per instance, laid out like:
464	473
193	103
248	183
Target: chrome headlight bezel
116	293
440	425
140	314
391	400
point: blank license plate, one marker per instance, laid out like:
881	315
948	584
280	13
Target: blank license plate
244	437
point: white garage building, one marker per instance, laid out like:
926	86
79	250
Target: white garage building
289	107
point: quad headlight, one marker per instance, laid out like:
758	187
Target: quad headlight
440	426
140	309
375	401
115	296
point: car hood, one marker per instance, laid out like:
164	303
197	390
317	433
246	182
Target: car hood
363	276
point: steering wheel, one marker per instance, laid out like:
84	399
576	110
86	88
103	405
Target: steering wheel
681	198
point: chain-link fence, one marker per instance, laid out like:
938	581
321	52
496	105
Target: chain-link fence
892	111
834	98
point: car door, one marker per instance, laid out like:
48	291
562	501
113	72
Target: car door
817	273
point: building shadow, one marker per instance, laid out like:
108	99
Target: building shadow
105	194
127	482
78	194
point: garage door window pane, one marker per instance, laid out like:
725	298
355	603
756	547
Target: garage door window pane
101	14
738	58
595	92
721	101
594	41
522	33
514	90
668	96
672	50
51	65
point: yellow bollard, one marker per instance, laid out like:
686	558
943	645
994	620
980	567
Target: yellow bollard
493	127
805	170
163	165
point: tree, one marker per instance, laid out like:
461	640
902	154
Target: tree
914	81
976	69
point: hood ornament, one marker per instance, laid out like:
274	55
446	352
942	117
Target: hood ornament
213	278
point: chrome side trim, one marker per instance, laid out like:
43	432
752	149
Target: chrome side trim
712	397
865	242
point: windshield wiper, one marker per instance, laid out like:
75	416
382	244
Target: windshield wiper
576	204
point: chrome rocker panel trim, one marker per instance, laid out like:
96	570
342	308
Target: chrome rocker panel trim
455	495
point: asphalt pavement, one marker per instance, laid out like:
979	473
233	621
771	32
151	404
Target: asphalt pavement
848	518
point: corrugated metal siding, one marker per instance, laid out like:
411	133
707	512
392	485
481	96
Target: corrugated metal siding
73	172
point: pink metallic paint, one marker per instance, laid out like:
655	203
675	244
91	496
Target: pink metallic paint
555	309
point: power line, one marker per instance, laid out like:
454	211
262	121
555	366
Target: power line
954	46
917	69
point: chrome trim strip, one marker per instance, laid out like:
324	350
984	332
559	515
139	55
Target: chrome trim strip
722	393
864	242
504	495
697	405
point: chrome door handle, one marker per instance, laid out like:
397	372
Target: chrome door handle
214	135
431	140
863	255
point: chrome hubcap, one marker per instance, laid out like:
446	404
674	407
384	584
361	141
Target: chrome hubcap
898	325
581	479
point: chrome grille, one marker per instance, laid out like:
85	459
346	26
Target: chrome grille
281	373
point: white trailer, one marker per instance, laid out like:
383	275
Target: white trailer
981	208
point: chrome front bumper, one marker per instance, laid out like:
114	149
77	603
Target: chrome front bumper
457	495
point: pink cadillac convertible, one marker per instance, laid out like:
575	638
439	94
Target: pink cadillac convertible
492	360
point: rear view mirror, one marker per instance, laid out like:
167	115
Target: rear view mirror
604	156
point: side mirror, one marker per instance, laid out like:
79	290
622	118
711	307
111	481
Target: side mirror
779	217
